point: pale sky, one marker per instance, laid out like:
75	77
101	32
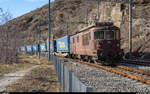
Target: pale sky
20	7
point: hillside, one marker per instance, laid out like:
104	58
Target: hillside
74	12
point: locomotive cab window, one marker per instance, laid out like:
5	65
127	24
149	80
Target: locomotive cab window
89	35
109	35
98	35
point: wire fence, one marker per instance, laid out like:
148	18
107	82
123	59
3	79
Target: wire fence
68	81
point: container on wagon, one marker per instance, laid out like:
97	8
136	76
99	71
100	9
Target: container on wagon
22	49
63	44
35	48
43	47
29	48
52	46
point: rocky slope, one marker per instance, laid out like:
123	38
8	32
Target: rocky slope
74	12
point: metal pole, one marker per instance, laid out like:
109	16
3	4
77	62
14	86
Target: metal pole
67	28
67	25
86	21
130	28
39	35
37	42
98	12
49	30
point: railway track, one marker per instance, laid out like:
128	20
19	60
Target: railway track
132	73
137	62
126	72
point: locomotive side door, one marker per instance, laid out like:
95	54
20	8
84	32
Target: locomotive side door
85	43
74	45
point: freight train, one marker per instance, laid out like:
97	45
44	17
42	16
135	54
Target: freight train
97	43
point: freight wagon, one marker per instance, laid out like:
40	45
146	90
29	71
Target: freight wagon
63	45
22	49
52	46
29	49
25	48
43	47
35	48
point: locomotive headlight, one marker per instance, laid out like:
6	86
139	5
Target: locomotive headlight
109	42
101	54
94	52
99	46
118	45
120	53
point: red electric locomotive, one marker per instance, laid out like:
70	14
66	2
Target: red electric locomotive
99	43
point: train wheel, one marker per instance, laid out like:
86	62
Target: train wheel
95	61
88	59
83	58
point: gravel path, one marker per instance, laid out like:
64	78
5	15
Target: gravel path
104	81
8	79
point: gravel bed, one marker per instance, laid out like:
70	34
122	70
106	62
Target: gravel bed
103	81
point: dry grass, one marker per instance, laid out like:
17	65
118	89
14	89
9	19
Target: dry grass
6	68
34	59
41	79
23	63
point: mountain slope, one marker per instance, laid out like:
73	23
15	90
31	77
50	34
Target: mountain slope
74	12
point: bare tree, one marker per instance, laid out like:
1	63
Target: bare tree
4	16
9	38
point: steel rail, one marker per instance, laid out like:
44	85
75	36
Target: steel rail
133	70
144	61
137	62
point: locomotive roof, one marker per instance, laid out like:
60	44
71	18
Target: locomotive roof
97	24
